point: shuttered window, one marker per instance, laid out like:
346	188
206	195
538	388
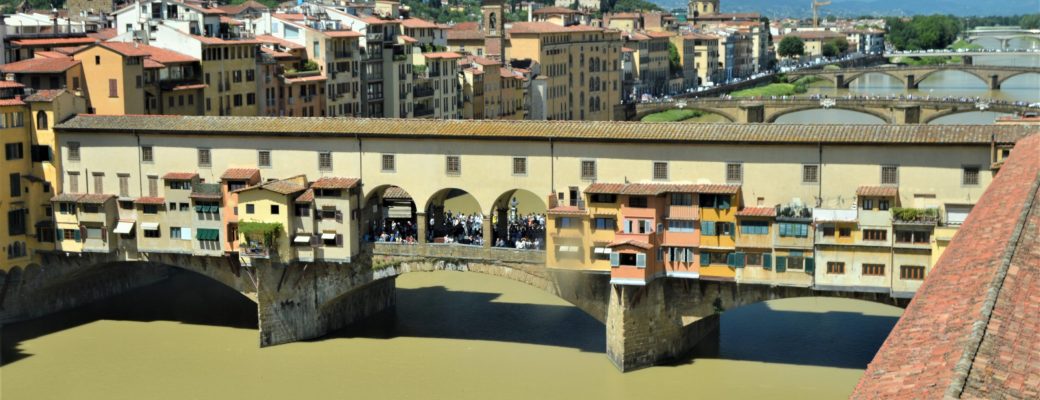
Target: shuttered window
113	88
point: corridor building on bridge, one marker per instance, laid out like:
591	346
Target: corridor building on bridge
855	208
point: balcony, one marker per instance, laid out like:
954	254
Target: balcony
422	91
344	54
422	111
915	216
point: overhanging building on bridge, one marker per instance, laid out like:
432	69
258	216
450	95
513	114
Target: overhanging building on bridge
860	208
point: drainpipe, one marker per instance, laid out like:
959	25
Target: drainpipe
552	167
361	188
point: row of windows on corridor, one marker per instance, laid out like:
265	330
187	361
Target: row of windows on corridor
453	166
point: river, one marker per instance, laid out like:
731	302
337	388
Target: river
454	335
947	83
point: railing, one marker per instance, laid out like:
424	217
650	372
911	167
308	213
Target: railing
422	111
344	54
422	91
455	251
255	252
920	216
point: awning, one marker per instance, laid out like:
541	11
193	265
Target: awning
302	239
207	234
328	236
126	227
399	212
602	250
150	226
568	249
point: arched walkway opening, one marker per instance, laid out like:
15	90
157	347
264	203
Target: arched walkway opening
389	215
454	216
518	220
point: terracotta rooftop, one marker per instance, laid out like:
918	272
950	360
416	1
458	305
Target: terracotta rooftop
466	26
10	85
395	192
306	197
150	200
407	39
757	212
44	96
54	42
284	186
341	33
877	191
67	197
39	66
444	54
12	102
152	64
555	130
462	34
554	10
94	198
566	210
279	41
418	23
973	328
240	174
125	49
330	182
165	56
180	176
104	34
237	8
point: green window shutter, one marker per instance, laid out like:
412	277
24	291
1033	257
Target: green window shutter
781	264
739	259
723	202
200	208
810	265
705	259
59	235
708	228
729	260
615	259
732	230
767	260
76	235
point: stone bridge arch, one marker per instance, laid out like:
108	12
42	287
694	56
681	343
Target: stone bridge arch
1003	78
777	113
723	112
848	79
385	205
986	79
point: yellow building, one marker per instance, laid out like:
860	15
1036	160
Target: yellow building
114	73
705	57
579	64
16	198
264	212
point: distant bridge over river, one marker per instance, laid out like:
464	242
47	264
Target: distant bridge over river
912	76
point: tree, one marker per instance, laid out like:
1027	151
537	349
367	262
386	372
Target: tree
791	46
829	49
841	44
674	65
575	5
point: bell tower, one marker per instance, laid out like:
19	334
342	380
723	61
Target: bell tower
492	25
701	8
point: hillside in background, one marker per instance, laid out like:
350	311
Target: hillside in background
854	8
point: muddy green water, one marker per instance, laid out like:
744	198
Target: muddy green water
454	335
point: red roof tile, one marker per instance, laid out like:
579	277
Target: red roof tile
660	188
973	328
165	56
757	212
240	174
180	176
189	86
10	85
125	49
67	197
445	54
306	197
44	96
566	210
54	42
329	182
462	34
95	198
417	23
39	66
877	191
12	102
150	200
554	10
395	192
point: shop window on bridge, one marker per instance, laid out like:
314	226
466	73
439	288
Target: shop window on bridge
632	259
911	272
874	269
753	259
637	201
788	229
874	234
302	210
639	226
565	222
828	231
684	226
601	253
716	201
681	254
568	252
754	228
835	267
682	199
603	198
914	237
605	223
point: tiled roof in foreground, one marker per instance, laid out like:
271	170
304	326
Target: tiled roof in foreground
973	329
545	130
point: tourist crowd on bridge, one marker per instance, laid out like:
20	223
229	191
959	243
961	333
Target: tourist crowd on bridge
458	228
393	231
887	97
523	232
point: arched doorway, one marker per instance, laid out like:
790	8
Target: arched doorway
518	220
453	216
389	216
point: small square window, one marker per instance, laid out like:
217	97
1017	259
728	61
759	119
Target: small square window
810	174
74	151
889	175
250	208
146	154
453	165
325	161
588	169
971	176
204	158
389	163
275	209
263	158
519	165
734	172
660	170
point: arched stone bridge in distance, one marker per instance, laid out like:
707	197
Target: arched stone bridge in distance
912	76
645	325
917	111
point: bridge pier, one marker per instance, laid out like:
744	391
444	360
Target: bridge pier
968	60
994	82
752	113
906	114
910	83
839	82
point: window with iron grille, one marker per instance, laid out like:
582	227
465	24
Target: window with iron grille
971	176
588	169
834	267
325	161
146	154
874	269
810	174
389	163
660	170
453	165
734	172
519	165
74	151
204	158
264	158
889	175
911	272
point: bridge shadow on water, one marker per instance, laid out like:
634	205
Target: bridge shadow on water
438	312
757	332
185	297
